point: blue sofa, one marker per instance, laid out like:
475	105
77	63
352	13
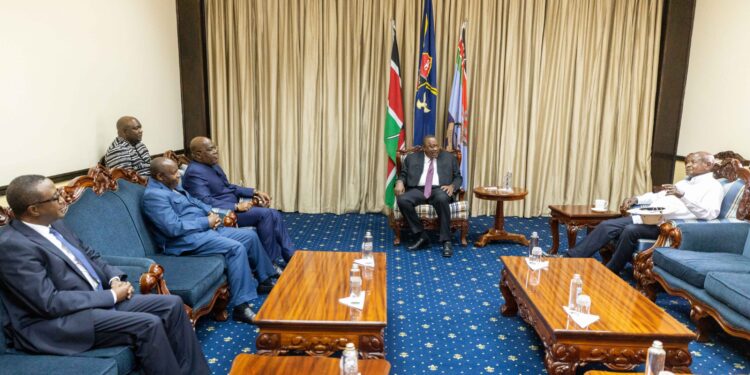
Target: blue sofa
735	210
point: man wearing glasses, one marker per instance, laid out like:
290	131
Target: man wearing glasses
63	299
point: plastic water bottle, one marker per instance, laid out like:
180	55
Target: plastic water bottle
355	281
536	255
655	358
533	242
348	364
367	246
576	288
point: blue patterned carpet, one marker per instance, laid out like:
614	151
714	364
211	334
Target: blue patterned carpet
443	314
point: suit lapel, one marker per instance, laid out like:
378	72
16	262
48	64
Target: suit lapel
45	244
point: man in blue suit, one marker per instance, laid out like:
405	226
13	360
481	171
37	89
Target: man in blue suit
186	226
63	299
205	180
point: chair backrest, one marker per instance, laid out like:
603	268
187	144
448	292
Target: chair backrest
132	195
735	180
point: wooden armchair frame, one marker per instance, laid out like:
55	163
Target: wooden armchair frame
429	224
643	263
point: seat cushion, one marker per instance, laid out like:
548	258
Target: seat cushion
693	266
122	355
731	288
29	364
191	277
104	223
459	210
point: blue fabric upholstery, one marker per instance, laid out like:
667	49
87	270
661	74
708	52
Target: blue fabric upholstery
693	266
644	244
102	222
28	364
732	317
726	237
746	251
733	289
192	277
131	195
732	196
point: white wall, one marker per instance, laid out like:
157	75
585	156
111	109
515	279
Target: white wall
716	112
69	69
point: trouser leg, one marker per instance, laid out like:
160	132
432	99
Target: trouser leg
262	219
259	261
599	237
407	203
242	283
627	243
442	204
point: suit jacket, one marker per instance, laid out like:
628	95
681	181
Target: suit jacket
180	221
47	298
209	183
447	164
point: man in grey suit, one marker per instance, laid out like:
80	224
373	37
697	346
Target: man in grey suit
63	299
431	176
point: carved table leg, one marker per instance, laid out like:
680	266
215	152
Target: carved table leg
498	233
554	226
678	361
572	233
561	359
510	307
372	347
703	323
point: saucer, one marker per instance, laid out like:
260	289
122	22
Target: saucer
599	209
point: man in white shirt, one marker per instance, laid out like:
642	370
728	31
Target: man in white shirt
63	299
697	197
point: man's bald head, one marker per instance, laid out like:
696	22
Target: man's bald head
202	150
165	171
129	129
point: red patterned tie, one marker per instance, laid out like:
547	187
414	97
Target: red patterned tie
428	180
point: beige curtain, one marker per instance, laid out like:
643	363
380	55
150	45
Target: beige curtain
561	93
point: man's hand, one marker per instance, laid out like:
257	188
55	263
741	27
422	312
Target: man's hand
213	220
243	206
672	190
399	188
448	189
628	202
264	198
123	291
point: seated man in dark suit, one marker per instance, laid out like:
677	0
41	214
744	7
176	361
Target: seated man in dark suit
205	180
186	226
127	151
430	177
63	299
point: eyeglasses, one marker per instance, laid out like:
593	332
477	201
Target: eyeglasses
57	197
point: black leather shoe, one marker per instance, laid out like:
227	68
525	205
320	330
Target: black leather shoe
243	313
420	244
266	286
447	249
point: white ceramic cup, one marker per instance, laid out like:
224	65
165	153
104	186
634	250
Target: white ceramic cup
600	204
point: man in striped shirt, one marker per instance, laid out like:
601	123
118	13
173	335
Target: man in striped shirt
127	150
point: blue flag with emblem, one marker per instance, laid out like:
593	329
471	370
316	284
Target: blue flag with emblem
425	99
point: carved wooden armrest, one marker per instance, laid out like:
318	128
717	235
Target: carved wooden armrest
153	280
230	220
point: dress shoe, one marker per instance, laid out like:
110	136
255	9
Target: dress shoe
278	270
266	286
420	244
447	249
243	313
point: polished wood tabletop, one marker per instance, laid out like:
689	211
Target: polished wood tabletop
574	217
628	323
498	232
303	311
251	364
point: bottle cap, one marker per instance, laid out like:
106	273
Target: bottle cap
534	234
350	345
657	344
576	276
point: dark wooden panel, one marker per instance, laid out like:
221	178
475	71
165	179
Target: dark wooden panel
677	28
191	40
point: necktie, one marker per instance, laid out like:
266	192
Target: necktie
428	179
82	260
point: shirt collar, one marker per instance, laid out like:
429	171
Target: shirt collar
41	229
702	177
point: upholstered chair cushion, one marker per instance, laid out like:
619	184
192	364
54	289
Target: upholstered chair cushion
192	277
731	288
459	210
693	266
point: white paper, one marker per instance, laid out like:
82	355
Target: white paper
581	319
537	265
369	262
355	302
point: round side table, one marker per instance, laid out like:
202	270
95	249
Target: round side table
497	232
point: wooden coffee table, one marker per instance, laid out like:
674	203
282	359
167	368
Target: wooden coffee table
574	217
303	312
497	232
629	322
251	364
